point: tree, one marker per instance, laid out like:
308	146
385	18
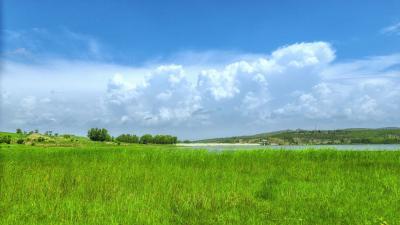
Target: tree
158	139
96	134
146	139
164	139
127	138
104	135
174	140
19	131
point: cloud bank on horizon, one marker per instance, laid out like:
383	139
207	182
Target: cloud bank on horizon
301	85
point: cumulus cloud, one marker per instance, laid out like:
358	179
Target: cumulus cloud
362	90
291	87
304	54
238	90
164	96
367	100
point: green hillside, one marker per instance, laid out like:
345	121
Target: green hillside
12	135
42	139
295	137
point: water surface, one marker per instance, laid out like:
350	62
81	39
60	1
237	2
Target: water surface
355	147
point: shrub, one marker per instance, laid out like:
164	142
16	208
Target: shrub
5	139
96	134
20	141
41	139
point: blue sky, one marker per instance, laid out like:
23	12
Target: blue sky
200	68
136	31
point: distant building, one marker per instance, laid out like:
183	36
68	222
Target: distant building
264	142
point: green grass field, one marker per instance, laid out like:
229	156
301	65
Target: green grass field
138	184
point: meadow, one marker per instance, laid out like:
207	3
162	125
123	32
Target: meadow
155	184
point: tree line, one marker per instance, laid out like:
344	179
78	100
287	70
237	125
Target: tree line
97	134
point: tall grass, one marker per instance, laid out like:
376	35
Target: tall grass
166	185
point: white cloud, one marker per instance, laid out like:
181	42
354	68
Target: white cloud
292	87
166	96
392	29
304	54
37	44
371	98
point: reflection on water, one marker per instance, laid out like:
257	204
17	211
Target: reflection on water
221	147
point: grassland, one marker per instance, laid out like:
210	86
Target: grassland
140	184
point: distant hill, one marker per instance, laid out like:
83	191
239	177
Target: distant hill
387	135
37	138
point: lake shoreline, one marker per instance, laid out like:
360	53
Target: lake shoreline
243	146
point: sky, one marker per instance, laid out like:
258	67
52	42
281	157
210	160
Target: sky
199	69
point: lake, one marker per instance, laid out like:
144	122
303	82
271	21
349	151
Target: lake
356	147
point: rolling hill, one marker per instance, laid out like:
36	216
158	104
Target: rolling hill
389	135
